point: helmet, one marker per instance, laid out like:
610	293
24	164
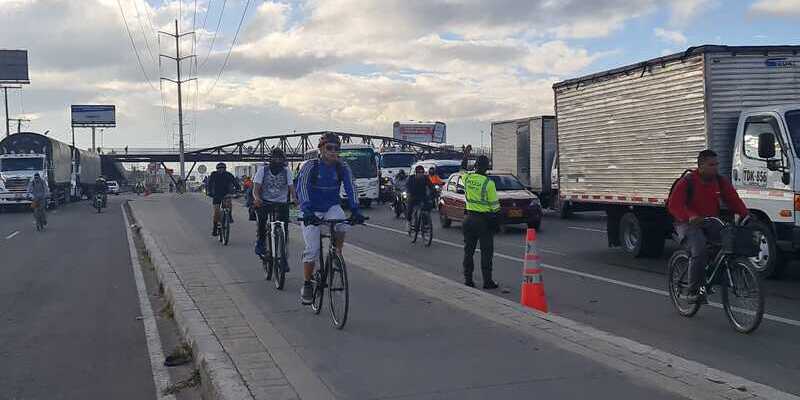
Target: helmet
482	163
419	168
36	175
329	137
221	165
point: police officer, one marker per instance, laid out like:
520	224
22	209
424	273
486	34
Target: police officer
480	222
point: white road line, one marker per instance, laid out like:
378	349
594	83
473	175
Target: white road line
579	228
161	377
634	286
15	233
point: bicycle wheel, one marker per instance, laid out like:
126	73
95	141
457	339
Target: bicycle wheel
226	222
678	283
415	225
742	297
279	258
319	290
427	229
338	291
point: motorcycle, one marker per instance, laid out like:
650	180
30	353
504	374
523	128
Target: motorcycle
386	190
399	203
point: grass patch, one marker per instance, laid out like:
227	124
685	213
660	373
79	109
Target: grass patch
192	381
167	311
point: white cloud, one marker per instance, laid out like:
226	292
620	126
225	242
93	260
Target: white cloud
674	37
776	8
683	11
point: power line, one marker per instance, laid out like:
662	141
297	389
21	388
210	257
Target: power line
141	26
208	8
214	38
133	44
230	49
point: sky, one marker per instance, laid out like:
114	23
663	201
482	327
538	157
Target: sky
346	65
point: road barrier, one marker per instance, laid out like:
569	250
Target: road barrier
532	293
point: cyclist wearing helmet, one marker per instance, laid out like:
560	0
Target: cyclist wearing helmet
272	187
318	185
220	184
419	189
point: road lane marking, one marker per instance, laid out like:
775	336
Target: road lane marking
629	285
579	228
11	236
161	378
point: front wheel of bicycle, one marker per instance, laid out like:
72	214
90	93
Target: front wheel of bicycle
338	291
678	283
742	297
226	223
427	230
279	259
318	281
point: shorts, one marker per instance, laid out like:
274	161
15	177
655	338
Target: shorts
311	232
217	199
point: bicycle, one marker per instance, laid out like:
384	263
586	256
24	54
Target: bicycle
332	274
277	264
731	269
226	208
421	223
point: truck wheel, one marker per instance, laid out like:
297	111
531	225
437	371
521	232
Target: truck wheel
446	222
639	237
767	263
564	210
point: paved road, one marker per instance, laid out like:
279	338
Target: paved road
68	307
770	356
398	343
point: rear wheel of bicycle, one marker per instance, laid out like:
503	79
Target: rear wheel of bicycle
742	297
279	259
678	283
338	291
415	225
318	282
427	230
226	223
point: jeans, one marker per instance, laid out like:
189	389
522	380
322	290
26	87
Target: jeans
695	239
262	214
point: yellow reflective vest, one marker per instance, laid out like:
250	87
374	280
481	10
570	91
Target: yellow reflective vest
480	193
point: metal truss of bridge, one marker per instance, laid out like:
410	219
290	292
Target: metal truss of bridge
295	145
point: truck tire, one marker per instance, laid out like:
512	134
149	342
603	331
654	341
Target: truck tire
639	237
446	222
564	210
767	263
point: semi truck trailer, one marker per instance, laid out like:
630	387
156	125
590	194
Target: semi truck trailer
625	135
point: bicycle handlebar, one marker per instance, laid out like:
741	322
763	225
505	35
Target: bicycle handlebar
737	221
319	221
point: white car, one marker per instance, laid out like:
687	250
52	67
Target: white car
113	187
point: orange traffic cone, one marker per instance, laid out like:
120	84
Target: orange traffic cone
532	286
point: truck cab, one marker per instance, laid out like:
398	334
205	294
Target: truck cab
764	172
16	171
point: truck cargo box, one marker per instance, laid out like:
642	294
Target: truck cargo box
526	148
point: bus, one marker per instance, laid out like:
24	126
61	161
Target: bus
363	162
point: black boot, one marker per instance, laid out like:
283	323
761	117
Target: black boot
488	282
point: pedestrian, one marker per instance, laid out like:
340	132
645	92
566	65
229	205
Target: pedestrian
126	150
480	222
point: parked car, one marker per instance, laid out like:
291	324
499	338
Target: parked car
517	204
113	187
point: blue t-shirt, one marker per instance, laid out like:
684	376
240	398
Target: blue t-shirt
322	194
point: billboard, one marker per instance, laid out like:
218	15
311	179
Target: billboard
92	115
14	66
420	132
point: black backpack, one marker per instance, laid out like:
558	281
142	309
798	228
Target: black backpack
689	188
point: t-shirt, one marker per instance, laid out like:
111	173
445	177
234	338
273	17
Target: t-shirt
274	188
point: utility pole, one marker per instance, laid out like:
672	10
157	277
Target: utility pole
5	97
19	122
177	35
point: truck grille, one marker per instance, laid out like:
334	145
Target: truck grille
17	185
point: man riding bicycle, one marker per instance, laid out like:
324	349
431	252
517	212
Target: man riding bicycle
272	186
220	184
695	196
318	185
39	191
420	191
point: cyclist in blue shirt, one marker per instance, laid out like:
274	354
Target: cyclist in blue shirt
318	185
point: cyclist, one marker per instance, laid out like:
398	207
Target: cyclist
272	186
319	182
39	191
101	187
420	191
695	196
220	184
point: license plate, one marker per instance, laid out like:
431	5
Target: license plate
514	213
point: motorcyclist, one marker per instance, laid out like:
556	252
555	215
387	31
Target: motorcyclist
435	179
39	191
419	189
101	187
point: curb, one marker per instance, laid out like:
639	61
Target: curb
219	376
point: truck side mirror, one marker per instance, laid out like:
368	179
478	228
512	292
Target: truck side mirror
766	146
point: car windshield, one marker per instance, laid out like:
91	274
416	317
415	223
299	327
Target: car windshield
506	182
444	171
397	160
21	164
361	162
793	122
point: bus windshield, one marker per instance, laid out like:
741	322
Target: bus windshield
397	160
361	162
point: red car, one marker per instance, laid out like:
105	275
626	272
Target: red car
517	204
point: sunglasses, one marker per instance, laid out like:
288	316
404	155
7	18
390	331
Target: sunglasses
331	147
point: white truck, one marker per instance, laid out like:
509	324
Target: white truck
626	134
526	147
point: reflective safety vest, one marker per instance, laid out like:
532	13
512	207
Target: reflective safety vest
480	193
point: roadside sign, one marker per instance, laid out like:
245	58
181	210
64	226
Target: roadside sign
14	67
94	116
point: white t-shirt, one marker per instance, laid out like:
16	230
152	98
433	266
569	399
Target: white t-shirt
275	188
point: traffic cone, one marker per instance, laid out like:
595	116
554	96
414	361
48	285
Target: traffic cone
532	293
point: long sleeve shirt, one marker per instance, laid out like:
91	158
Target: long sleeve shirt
321	193
706	196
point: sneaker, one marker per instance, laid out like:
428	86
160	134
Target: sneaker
490	285
260	251
307	294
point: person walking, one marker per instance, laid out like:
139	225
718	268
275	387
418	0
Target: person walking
480	222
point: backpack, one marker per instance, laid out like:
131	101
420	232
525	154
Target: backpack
689	187
315	171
